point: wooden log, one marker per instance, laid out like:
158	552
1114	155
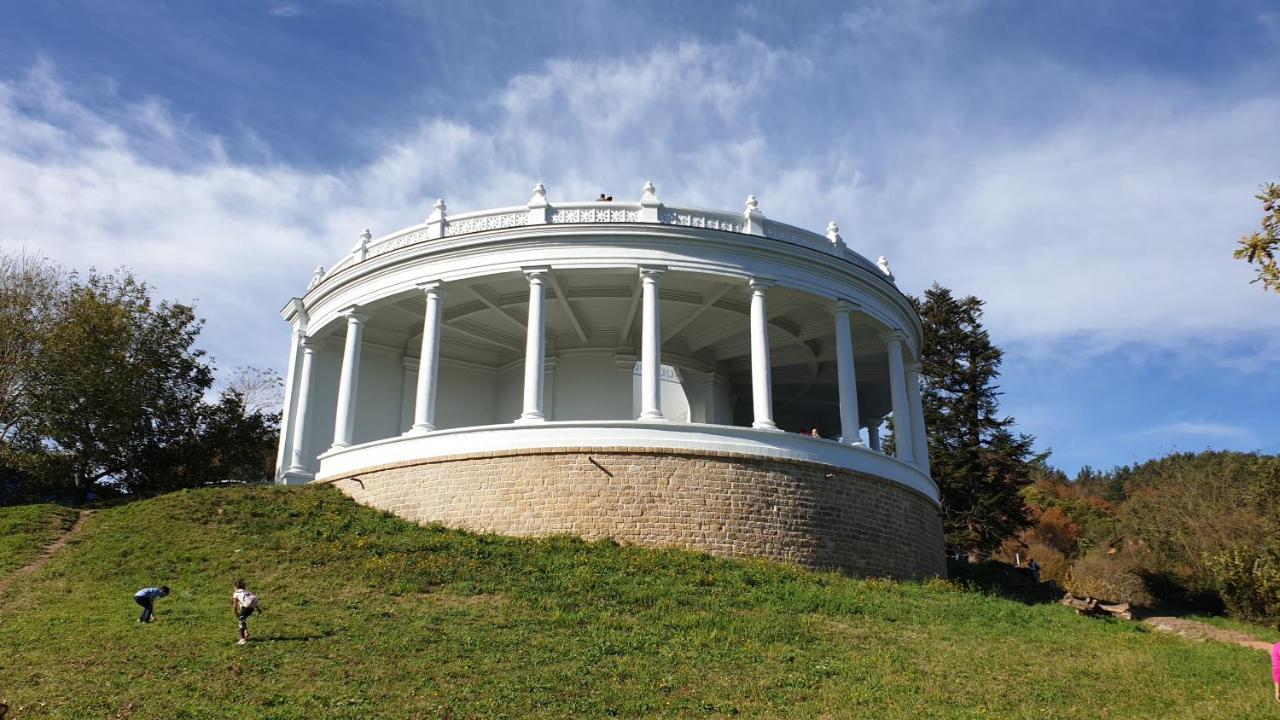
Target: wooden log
1120	610
1093	606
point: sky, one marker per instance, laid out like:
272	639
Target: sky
1083	167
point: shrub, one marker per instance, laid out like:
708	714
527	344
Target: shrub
1248	581
1105	577
1053	564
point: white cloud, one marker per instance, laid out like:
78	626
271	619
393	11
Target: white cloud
285	9
1113	226
1208	431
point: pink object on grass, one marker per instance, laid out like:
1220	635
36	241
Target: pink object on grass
1275	662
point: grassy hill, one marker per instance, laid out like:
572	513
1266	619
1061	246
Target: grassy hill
368	616
26	530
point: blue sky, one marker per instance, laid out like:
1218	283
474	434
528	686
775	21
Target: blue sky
1083	167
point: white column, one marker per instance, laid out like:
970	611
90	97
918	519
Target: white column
902	432
846	376
408	385
424	403
298	460
920	442
650	346
873	434
761	390
344	422
284	453
549	363
535	346
625	387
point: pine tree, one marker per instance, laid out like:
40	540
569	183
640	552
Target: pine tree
980	465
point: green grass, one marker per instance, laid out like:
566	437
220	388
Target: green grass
368	616
25	530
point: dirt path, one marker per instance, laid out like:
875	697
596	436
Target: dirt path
1195	630
48	553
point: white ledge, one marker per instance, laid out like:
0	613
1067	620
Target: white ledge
605	434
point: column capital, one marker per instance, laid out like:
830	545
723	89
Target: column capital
844	306
354	315
430	287
309	343
893	337
911	366
760	283
652	271
409	362
536	274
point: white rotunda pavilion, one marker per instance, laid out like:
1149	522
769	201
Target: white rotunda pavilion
631	370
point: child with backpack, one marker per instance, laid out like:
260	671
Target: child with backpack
243	603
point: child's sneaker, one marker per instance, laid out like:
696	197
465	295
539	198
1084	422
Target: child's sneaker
243	641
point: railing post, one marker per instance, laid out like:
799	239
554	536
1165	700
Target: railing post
539	208
316	277
437	221
755	218
650	205
361	249
884	267
833	234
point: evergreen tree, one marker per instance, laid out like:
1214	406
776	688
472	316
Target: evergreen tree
980	465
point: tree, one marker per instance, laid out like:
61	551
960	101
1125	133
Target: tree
260	390
29	285
117	387
1261	248
237	443
980	465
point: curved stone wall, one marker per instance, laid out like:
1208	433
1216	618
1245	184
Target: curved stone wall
722	503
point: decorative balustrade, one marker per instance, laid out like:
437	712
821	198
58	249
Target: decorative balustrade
649	210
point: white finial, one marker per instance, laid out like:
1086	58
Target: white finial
539	199
833	233
361	249
436	223
650	205
753	216
884	267
539	208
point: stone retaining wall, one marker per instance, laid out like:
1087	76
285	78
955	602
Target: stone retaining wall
721	503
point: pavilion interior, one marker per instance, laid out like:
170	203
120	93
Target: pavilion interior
593	324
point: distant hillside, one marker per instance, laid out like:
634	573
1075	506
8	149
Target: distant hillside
368	616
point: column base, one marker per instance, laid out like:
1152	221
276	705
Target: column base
765	425
420	429
531	417
339	446
652	417
297	476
